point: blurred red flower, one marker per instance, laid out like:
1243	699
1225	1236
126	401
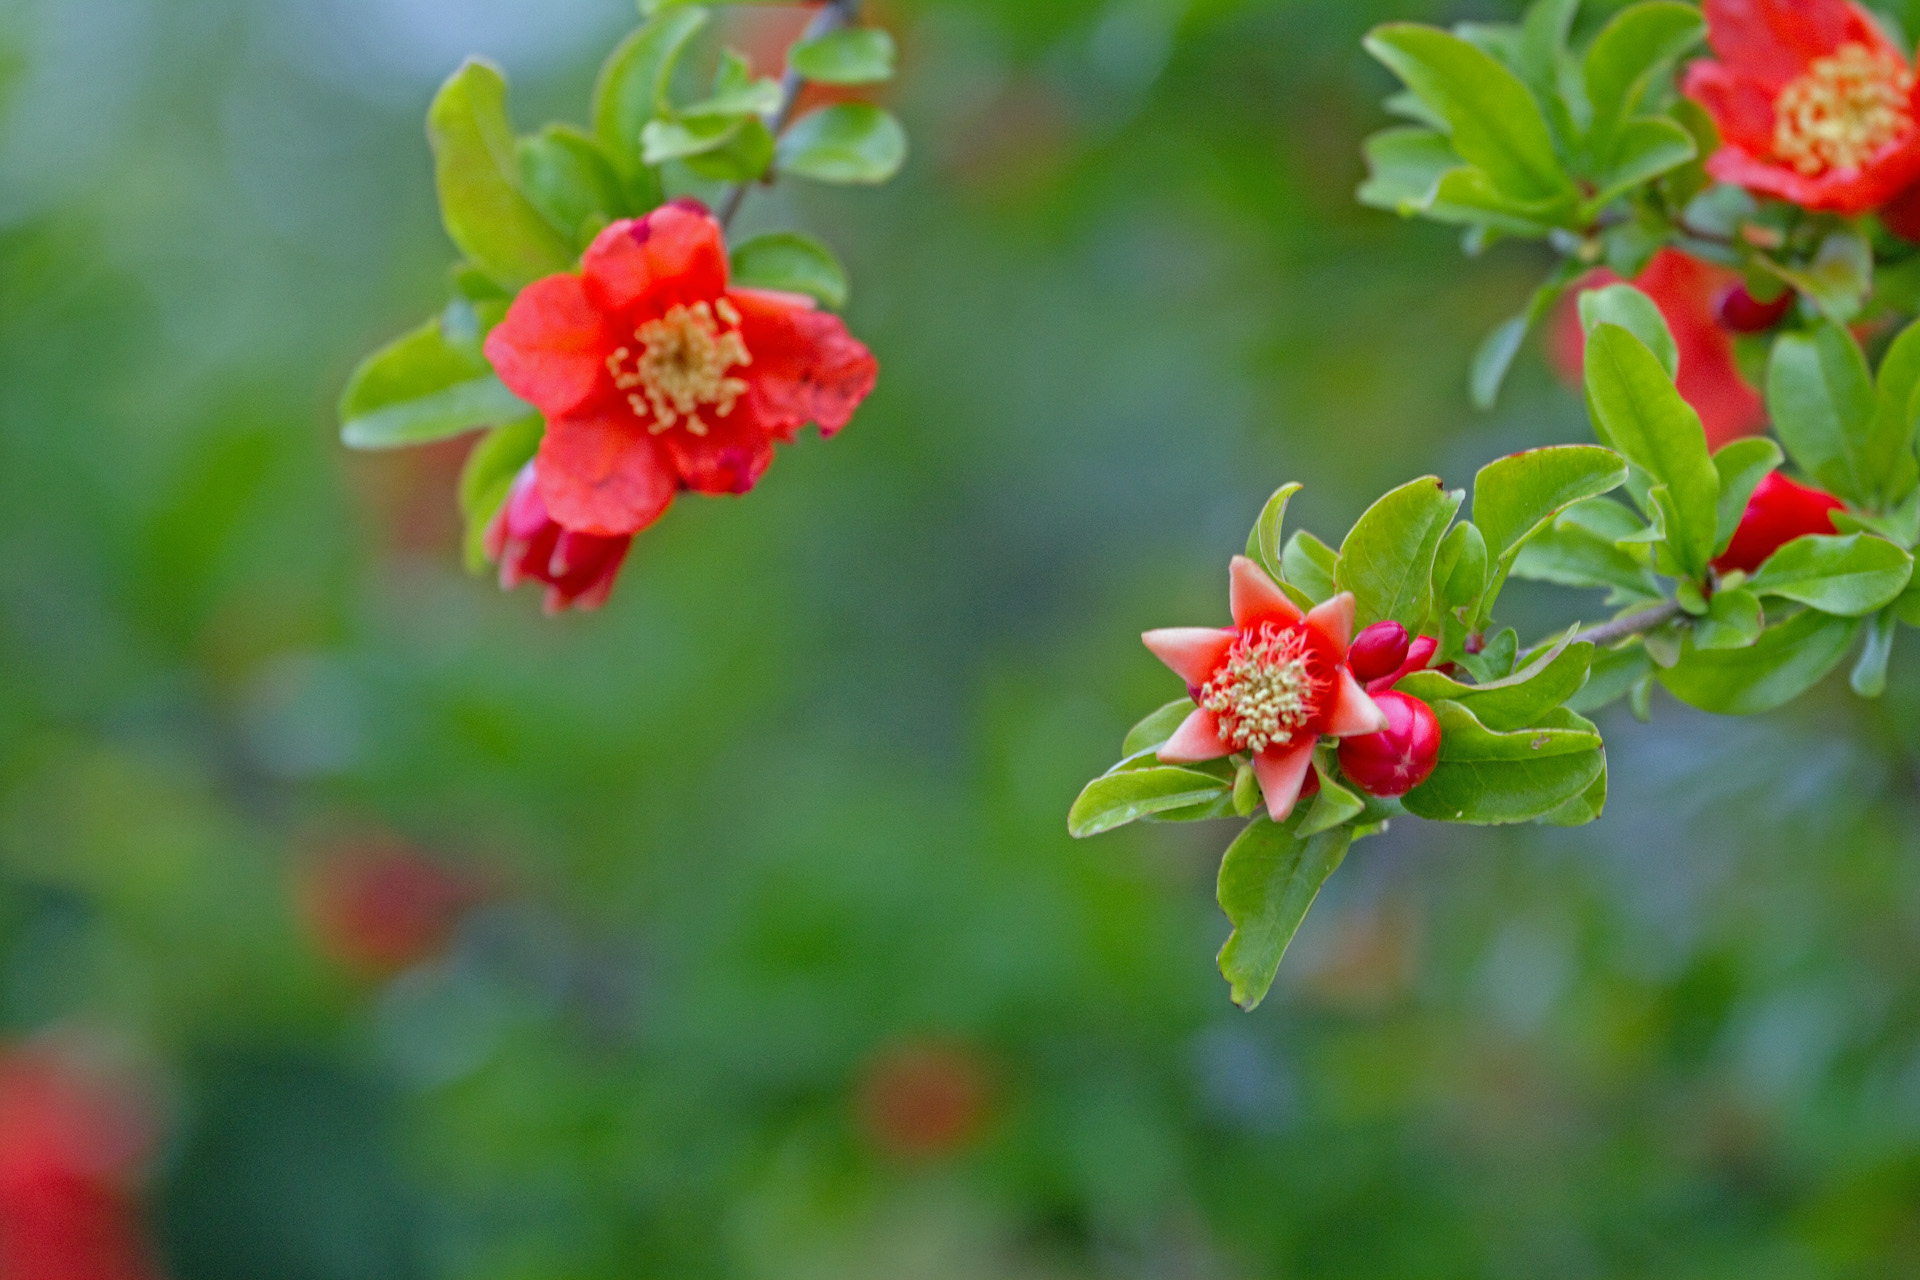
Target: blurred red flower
528	544
1270	685
70	1143
923	1100
1779	511
1688	293
655	376
377	905
1815	105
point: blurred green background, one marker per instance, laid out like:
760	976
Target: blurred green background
784	965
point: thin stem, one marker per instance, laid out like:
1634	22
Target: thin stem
835	15
1634	624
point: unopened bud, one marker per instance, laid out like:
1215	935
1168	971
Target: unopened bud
1740	312
1779	511
1378	651
1399	757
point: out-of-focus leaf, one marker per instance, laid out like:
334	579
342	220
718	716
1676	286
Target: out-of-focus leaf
1869	678
424	386
1784	663
489	472
744	157
852	142
569	179
1887	454
1155	729
1634	311
1637	43
1851	575
633	84
795	263
1268	881
1839	278
1734	620
857	55
1742	465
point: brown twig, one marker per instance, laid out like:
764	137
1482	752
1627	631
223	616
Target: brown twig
833	17
1634	624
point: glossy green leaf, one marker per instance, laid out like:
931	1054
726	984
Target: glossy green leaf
1586	807
1404	167
1642	151
425	386
1517	700
1268	881
1333	806
744	157
1630	50
1387	560
1733	620
569	179
488	474
1887	454
1264	546
477	169
1496	124
1634	311
857	55
1850	575
1487	778
1460	567
1154	730
633	85
849	143
793	263
1639	413
735	92
1582	549
1784	663
1517	496
1310	565
1115	799
1742	465
664	140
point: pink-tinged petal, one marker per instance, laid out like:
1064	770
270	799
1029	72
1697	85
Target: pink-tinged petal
1282	771
602	473
1333	621
676	255
1196	741
1775	40
1354	713
1257	598
806	366
1194	653
550	349
1741	106
730	458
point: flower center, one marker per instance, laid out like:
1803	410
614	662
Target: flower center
1843	110
682	367
1271	687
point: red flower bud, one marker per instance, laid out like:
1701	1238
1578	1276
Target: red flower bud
1740	312
578	568
1419	654
1778	512
1378	651
1399	757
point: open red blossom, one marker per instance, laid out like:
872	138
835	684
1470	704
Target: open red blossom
1271	685
1815	105
1688	293
655	376
1779	511
529	544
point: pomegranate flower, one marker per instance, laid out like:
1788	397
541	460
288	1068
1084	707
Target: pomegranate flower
1779	511
529	544
1815	105
655	376
1270	685
1401	756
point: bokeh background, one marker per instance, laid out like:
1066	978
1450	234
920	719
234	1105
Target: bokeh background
734	931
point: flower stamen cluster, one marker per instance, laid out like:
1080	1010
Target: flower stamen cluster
682	367
1844	110
1272	685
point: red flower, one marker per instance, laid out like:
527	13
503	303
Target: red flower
1383	655
378	906
1815	104
655	376
1270	685
1688	293
1401	756
527	543
70	1142
1778	512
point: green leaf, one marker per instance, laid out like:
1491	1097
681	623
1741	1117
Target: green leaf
1310	565
1887	453
1153	732
1615	672
1642	151
1405	166
1517	700
1494	360
1334	806
1586	807
735	92
1487	778
860	55
570	180
1115	799
744	157
1516	497
1268	881
1850	576
1460	567
425	386
1495	122
633	85
792	263
1742	465
1784	663
488	474
1263	543
1639	413
1869	678
849	143
1622	61
1634	311
1907	607
1387	559
1839	278
477	168
664	140
1734	620
1582	550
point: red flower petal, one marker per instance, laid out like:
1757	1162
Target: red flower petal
674	255
1282	771
1333	622
1196	740
601	473
1740	105
730	458
806	366
1354	713
1257	598
1774	40
1192	652
549	349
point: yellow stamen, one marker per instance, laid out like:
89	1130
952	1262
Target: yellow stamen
682	368
1844	110
1270	688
